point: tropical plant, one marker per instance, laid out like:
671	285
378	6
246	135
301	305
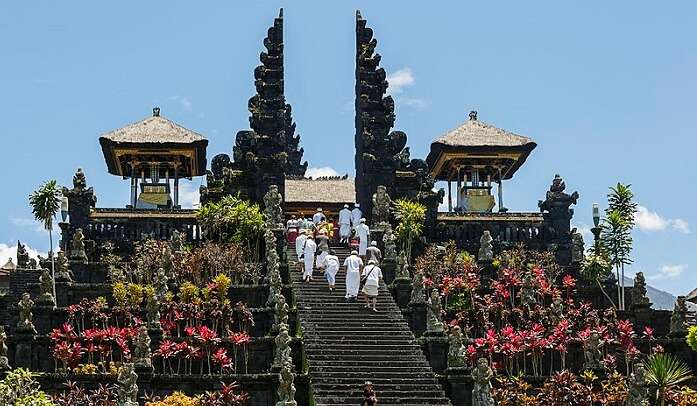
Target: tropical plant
665	371
596	268
20	388
411	216
45	203
692	337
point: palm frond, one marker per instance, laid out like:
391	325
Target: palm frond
45	203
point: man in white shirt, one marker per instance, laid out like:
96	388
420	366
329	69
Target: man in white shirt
344	224
309	258
372	275
331	267
300	247
363	234
353	264
318	217
356	215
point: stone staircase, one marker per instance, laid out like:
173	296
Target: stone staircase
347	345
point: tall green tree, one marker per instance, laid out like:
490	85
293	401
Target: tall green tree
45	203
411	217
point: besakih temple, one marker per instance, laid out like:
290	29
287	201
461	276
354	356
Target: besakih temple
306	345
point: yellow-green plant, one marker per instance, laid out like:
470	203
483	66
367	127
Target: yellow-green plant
20	388
692	337
188	292
120	293
222	284
411	216
135	295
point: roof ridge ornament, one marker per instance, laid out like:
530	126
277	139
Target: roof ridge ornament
473	115
156	112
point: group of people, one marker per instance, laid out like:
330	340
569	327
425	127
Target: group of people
316	224
313	251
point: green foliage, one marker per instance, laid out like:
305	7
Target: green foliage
616	238
620	200
665	371
222	284
692	337
45	203
188	293
19	388
411	216
595	268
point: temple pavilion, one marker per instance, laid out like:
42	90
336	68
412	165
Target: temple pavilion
154	153
474	155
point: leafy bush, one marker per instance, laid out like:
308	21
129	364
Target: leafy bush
692	337
19	388
411	216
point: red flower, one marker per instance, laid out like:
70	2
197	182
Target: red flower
569	282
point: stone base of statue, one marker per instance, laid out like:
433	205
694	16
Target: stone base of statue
487	268
389	270
459	385
24	343
45	299
79	257
436	350
401	288
417	318
680	334
287	403
435	332
143	367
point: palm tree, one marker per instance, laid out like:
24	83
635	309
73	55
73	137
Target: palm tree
617	243
621	205
45	203
665	371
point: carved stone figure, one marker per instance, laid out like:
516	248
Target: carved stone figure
127	389
679	316
556	311
272	207
639	298
22	256
369	398
275	285
78	252
176	241
142	354
556	195
46	285
26	317
577	247
381	206
417	289
638	387
79	180
389	241
528	290
481	392
592	352
286	386
282	350
160	283
4	362
486	248
152	307
434	320
63	273
402	266
280	311
456	349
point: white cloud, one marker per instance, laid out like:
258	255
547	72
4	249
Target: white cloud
321	171
189	196
29	223
413	102
183	101
648	220
10	251
668	272
585	231
400	79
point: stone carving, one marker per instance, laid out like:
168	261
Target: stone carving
486	248
434	320
160	282
286	386
272	208
22	256
402	266
63	273
482	375
369	398
280	311
26	317
679	317
152	307
456	349
528	290
78	252
127	386
176	241
381	207
282	350
577	247
4	362
556	311
417	289
46	285
638	387
639	298
142	354
390	242
79	180
557	197
592	352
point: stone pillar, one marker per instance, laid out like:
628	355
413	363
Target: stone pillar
401	288
417	318
134	191
24	343
389	268
459	386
450	196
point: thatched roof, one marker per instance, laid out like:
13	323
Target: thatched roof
153	130
475	133
323	190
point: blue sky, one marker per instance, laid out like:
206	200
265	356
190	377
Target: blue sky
606	89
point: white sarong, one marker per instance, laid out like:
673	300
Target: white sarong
331	263
319	263
353	280
345	230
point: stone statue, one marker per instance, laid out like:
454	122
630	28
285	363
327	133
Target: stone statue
639	298
152	307
486	248
556	197
78	252
22	256
272	207
369	398
127	389
456	349
528	290
33	264
46	285
79	180
592	351
282	351
286	387
417	289
63	273
434	320
4	362
389	241
160	284
679	316
638	387
26	317
176	241
481	375
142	355
275	285
280	311
402	266
556	311
577	247
381	206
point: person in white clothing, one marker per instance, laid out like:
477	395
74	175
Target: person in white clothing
353	265
344	224
318	217
371	276
356	215
300	247
309	258
363	233
331	267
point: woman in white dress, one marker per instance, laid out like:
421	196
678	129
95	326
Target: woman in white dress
331	267
353	265
309	258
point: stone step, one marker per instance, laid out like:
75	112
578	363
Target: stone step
382	400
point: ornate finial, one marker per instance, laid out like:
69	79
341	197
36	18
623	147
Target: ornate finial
280	13
156	112
473	115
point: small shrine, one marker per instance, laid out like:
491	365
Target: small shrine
474	155
154	153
